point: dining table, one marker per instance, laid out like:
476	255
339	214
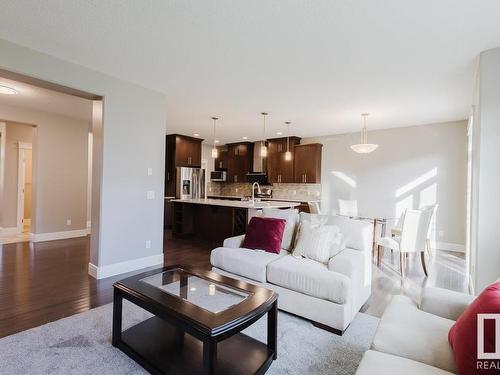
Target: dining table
376	220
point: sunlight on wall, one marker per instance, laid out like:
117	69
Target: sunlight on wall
428	196
416	182
403	205
342	176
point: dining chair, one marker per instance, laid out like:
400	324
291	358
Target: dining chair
433	208
413	239
396	231
348	207
314	208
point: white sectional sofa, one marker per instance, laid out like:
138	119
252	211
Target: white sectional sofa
413	340
329	295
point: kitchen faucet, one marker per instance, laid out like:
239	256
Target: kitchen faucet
253	191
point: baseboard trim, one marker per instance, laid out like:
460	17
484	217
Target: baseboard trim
88	227
124	267
52	236
449	246
9	231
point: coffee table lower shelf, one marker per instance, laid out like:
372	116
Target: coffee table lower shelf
163	349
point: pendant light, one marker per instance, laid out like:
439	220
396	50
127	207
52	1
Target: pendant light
364	147
263	147
288	154
215	152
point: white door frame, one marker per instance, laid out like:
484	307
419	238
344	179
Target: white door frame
21	169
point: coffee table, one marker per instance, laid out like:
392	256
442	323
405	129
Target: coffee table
198	317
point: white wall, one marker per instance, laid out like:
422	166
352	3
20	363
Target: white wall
59	168
412	167
133	139
485	246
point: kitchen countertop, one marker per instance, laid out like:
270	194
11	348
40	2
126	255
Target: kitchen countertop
266	199
239	204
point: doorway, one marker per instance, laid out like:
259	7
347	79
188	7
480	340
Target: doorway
24	187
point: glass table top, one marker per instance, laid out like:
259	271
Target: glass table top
204	293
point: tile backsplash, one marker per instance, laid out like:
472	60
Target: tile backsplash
305	192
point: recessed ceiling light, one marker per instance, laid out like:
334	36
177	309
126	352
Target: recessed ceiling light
7	90
244	137
279	133
216	141
196	134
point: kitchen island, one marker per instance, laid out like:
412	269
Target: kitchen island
217	219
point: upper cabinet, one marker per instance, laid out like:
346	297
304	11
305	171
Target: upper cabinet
221	160
307	163
280	170
181	151
304	167
187	151
236	159
239	161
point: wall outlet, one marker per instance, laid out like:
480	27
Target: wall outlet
68	222
150	194
148	244
150	171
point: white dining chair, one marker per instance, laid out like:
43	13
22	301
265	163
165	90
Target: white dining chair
314	208
348	207
413	239
433	208
396	230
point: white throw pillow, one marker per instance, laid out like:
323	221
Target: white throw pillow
315	220
292	218
317	242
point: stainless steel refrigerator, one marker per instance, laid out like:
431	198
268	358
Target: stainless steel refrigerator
190	183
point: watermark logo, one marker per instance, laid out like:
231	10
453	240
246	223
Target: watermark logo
488	351
492	320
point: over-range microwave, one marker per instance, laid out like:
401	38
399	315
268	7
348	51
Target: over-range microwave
220	176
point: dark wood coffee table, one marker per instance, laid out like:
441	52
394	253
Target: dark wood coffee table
198	317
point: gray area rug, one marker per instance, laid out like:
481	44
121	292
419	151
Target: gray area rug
81	344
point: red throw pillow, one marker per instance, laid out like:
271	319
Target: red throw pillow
463	334
264	233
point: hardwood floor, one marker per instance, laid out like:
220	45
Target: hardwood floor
446	270
44	282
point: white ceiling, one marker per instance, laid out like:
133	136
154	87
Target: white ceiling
316	63
40	99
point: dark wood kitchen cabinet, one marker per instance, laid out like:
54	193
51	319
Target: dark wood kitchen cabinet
187	151
280	170
239	161
181	151
307	163
221	160
208	222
